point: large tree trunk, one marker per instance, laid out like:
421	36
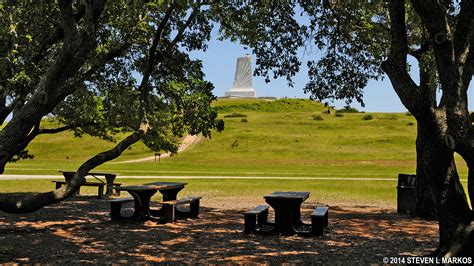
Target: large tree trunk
439	190
456	225
463	237
441	126
436	160
425	192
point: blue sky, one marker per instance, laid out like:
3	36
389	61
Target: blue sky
219	66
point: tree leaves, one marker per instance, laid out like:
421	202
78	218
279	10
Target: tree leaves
105	96
353	37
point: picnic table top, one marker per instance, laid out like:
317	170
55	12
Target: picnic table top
89	173
288	195
85	183
153	186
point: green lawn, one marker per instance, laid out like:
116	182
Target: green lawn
280	138
283	138
252	190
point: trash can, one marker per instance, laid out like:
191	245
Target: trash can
406	194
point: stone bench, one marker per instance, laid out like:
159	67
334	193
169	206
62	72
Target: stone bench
116	207
256	216
169	208
319	220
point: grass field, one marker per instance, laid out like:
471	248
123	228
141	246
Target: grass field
287	137
380	193
251	191
283	138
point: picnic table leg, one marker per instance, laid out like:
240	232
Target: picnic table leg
100	191
170	194
110	178
284	219
142	204
296	208
287	215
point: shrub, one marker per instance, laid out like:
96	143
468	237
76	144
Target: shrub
235	115
317	118
244	120
367	117
472	117
347	110
339	115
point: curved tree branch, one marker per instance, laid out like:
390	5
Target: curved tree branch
188	22
35	202
434	16
152	57
68	22
396	64
469	68
39	131
58	35
464	31
427	87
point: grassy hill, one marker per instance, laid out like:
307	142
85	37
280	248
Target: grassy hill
286	137
55	148
283	138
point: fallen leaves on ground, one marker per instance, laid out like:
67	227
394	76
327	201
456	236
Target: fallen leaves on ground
79	230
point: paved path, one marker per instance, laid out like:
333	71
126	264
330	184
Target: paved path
188	140
16	177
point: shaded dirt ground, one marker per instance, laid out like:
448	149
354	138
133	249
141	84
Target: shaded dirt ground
79	231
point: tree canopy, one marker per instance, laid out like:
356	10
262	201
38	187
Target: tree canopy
101	68
102	92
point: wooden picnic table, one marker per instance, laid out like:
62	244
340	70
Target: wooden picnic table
109	181
287	210
143	193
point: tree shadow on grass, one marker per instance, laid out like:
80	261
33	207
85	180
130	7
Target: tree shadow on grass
79	230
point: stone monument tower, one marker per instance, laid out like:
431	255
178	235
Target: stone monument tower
242	87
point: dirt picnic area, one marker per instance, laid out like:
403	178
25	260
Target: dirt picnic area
79	230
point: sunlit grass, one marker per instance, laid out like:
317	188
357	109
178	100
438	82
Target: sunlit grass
281	138
332	192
